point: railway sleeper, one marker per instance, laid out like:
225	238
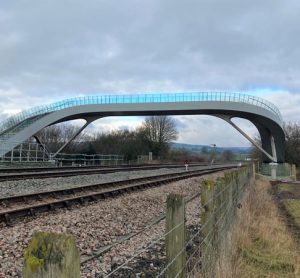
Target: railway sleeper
51	207
32	212
8	219
54	195
93	187
122	190
110	193
120	183
67	204
67	192
94	197
82	200
5	203
115	193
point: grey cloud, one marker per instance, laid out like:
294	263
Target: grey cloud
210	130
51	50
191	44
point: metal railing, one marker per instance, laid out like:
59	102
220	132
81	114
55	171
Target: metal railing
86	159
35	152
139	98
25	152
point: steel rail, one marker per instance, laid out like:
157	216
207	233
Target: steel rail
53	173
80	195
84	167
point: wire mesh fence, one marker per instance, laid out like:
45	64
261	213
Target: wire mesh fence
219	202
183	251
88	160
28	152
282	169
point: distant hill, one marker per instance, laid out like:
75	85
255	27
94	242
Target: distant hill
208	149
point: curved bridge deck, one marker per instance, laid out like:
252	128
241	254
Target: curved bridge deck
263	114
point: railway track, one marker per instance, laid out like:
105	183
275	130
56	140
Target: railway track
34	173
63	168
19	206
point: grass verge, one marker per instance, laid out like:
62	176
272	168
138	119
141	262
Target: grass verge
289	199
293	209
261	245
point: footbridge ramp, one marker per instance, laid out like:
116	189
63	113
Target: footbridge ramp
225	105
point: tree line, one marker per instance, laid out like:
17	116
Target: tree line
155	135
292	144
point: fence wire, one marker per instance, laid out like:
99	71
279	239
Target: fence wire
202	247
142	250
222	203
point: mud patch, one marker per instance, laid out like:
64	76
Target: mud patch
285	193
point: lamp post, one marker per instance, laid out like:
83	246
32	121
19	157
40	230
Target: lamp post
213	153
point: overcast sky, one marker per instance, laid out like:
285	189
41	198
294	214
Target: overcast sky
56	49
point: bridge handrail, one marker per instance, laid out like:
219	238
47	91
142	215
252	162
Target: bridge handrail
139	98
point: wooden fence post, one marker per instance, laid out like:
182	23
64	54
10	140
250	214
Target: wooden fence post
216	211
253	170
294	174
175	236
51	255
207	221
221	203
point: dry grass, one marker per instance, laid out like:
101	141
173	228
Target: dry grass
293	209
260	245
289	194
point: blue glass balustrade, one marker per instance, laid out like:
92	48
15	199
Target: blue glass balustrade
139	98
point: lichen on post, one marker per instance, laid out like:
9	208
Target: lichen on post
51	255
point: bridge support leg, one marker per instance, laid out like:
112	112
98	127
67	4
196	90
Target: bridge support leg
273	170
272	157
45	149
274	154
72	138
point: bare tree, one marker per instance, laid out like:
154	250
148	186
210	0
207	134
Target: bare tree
292	143
123	142
255	152
159	132
56	135
227	155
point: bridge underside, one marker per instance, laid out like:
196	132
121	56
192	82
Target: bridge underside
272	135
